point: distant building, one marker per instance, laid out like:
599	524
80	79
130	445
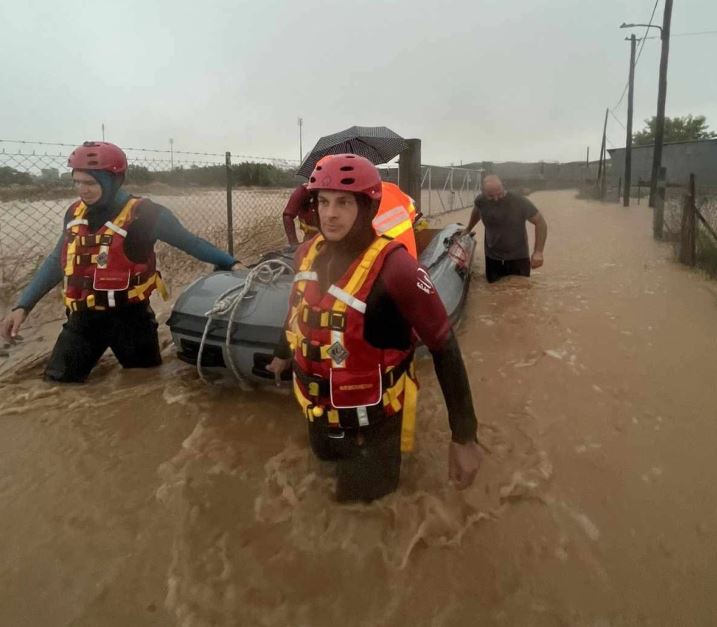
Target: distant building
679	158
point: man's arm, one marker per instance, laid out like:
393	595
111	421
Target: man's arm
475	218
290	230
541	235
291	212
170	230
47	276
410	288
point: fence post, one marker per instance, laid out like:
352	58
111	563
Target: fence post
230	212
639	191
619	188
689	226
658	215
409	171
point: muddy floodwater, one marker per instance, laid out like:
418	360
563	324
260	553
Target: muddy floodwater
149	498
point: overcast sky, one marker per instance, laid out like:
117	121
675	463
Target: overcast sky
474	79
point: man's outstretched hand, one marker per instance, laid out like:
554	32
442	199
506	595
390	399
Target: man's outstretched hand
464	460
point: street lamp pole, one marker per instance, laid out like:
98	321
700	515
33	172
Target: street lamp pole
661	96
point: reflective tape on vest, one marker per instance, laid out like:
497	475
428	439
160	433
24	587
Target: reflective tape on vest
306	276
113	227
346	298
72	223
390	219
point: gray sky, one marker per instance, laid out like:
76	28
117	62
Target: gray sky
474	79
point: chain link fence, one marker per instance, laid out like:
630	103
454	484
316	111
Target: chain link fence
235	202
448	189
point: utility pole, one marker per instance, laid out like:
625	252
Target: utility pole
301	148
103	131
171	154
661	98
628	134
601	166
587	166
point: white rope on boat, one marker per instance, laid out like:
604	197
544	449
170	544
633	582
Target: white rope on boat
229	302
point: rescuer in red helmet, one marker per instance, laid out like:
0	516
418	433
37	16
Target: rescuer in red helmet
106	262
359	300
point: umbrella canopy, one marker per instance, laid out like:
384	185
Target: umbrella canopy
377	143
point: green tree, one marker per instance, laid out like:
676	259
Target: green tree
678	129
11	176
138	174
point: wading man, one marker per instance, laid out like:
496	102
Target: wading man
358	302
504	215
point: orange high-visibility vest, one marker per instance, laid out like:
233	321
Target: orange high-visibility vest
395	217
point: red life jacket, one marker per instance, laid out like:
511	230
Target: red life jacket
336	372
98	273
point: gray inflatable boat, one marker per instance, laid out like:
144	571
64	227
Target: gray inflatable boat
227	324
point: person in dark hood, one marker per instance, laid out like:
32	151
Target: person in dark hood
358	302
106	262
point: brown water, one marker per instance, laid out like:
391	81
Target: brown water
151	499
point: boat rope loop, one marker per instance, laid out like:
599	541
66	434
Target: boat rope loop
229	302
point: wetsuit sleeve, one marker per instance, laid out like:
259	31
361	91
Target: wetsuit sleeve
453	379
411	289
291	212
296	200
48	276
170	230
409	286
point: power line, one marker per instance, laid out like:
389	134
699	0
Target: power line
644	37
702	32
617	119
639	52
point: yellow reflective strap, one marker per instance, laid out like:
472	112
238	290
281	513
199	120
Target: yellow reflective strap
391	395
162	287
291	338
308	259
355	283
408	425
141	290
124	214
333	416
304	402
399	229
78	214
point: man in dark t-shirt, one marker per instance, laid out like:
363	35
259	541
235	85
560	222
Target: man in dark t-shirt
504	215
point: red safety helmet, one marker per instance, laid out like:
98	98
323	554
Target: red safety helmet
98	156
346	172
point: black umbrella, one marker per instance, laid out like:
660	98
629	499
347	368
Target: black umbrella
377	143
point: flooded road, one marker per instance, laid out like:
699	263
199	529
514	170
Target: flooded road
151	499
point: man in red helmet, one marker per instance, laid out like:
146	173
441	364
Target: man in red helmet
105	259
357	304
300	206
